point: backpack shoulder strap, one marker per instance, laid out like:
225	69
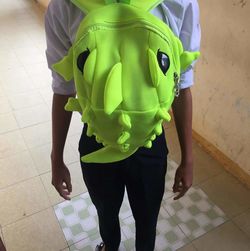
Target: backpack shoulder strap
87	6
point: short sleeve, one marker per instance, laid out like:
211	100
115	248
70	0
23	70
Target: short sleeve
190	35
58	44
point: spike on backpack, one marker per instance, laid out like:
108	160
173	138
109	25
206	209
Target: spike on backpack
126	65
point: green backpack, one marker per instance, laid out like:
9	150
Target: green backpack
126	64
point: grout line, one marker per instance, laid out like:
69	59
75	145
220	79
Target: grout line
223	172
54	213
211	230
208	179
189	241
14	154
27	216
35	124
238	227
17	183
228	164
20	181
238	214
39	211
47	193
193	246
11	131
28	147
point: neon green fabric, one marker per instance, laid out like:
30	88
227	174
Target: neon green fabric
126	65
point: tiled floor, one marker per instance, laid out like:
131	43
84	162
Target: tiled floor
179	222
215	215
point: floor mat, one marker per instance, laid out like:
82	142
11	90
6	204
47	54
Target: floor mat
179	221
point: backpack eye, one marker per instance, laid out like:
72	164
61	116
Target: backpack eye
81	60
163	61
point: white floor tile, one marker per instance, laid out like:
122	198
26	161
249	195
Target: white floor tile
47	95
8	60
16	82
39	232
8	123
2	94
34	55
41	157
37	135
21	200
25	100
4	105
32	116
11	143
16	168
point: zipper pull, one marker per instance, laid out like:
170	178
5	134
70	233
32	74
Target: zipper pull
177	86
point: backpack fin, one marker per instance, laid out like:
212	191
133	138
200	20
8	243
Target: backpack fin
65	66
187	58
154	68
89	69
73	105
107	154
113	89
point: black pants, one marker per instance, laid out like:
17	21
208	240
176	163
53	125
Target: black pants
143	175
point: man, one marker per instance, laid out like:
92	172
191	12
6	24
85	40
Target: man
143	174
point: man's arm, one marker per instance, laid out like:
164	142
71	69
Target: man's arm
60	125
58	43
182	109
190	36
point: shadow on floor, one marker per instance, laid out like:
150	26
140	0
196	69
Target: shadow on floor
2	247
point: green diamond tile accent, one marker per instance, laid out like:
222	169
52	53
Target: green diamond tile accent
193	210
93	231
68	210
176	219
171	221
177	206
171	237
75	199
192	224
169	249
195	197
62	223
129	244
76	229
212	214
83	214
208	227
70	242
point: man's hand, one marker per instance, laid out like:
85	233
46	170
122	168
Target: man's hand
61	179
183	179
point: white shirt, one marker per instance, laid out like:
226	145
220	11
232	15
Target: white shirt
63	18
